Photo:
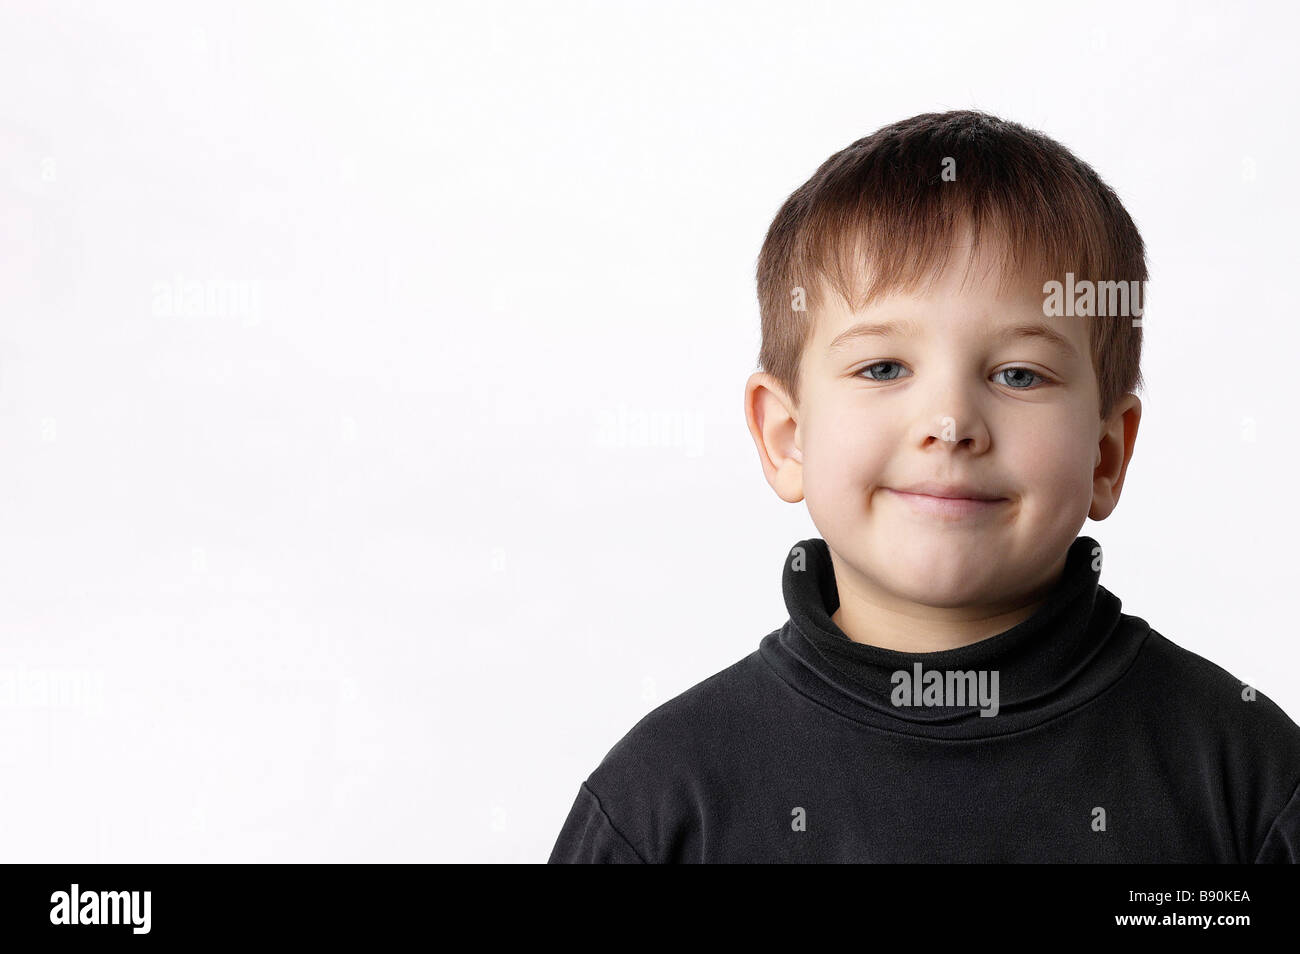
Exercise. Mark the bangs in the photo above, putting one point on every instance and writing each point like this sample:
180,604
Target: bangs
888,213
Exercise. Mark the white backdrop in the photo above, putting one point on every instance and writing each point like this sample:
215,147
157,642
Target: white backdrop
371,383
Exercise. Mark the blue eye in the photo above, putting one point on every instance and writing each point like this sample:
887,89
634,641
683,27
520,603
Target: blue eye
1031,374
1022,385
880,364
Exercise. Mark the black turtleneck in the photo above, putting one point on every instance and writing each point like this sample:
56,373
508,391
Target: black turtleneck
1106,743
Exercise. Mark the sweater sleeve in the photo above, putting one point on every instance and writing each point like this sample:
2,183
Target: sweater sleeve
589,836
1282,843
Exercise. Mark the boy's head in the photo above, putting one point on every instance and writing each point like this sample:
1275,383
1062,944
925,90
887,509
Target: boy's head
946,228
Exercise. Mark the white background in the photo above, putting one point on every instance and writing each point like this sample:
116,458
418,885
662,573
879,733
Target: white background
364,556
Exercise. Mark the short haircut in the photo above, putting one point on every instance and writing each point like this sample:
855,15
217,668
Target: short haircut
882,207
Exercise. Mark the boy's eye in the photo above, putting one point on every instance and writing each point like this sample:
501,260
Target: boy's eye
1023,380
881,364
1022,372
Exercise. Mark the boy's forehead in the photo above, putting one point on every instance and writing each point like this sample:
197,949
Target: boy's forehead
965,276
940,303
981,308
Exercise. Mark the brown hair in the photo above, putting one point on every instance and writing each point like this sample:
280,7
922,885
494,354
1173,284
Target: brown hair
882,202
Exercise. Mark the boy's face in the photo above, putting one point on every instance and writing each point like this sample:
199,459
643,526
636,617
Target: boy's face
952,401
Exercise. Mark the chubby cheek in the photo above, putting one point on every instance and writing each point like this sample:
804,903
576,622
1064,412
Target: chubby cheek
1055,465
846,457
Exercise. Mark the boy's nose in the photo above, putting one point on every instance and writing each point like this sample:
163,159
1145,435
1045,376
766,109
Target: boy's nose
955,427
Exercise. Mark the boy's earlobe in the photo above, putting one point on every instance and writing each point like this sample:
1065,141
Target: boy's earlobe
1114,451
775,431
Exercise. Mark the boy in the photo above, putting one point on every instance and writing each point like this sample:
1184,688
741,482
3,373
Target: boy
948,377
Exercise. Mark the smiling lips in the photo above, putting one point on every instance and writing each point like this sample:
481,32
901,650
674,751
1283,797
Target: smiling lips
954,501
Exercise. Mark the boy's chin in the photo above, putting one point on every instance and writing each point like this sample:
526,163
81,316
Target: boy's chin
938,569
943,593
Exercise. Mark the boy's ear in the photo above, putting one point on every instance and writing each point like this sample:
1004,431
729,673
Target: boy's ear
1114,451
773,423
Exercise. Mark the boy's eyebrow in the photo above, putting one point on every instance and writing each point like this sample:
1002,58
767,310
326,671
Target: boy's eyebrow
885,329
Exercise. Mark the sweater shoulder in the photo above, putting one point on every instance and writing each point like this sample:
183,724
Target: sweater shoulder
1194,683
1239,735
691,721
1255,745
654,784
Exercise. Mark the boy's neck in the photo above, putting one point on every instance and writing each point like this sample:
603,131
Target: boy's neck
876,618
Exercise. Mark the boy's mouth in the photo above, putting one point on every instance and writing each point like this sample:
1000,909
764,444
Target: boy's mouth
948,500
948,491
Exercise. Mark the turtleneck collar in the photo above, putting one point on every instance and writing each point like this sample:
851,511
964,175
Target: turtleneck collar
1074,645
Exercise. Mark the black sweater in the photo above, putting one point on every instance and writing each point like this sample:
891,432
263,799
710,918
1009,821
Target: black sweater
1109,744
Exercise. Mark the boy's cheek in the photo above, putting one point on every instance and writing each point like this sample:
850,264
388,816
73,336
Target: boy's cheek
1059,484
844,470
